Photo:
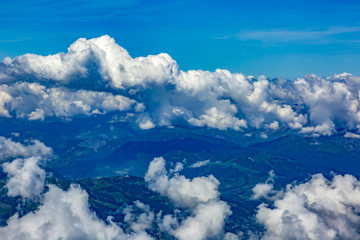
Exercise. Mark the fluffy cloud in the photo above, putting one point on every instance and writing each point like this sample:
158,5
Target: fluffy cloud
90,76
26,178
11,149
331,102
207,222
62,214
183,192
35,101
139,223
98,59
200,196
65,215
317,209
264,190
351,135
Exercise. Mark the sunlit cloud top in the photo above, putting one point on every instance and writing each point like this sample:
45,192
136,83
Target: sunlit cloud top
98,76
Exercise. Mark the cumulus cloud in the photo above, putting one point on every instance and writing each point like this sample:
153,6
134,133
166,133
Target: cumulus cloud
65,215
26,178
97,76
199,196
99,59
11,149
62,214
139,223
264,190
317,209
36,102
182,191
351,135
208,222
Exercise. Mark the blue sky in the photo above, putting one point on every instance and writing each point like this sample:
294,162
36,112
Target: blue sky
280,38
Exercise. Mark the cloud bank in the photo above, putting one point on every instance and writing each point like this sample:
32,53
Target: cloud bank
96,76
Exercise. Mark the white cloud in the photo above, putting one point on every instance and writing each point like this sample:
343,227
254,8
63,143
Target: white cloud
178,167
232,236
62,214
11,149
199,195
351,135
200,164
139,223
264,135
216,118
296,35
182,191
26,178
65,215
99,59
89,78
146,124
274,125
35,101
264,190
317,209
208,222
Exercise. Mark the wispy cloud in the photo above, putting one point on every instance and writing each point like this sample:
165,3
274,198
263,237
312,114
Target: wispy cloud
14,40
331,34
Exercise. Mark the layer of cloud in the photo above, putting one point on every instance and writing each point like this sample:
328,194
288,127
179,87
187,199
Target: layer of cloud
317,209
97,76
